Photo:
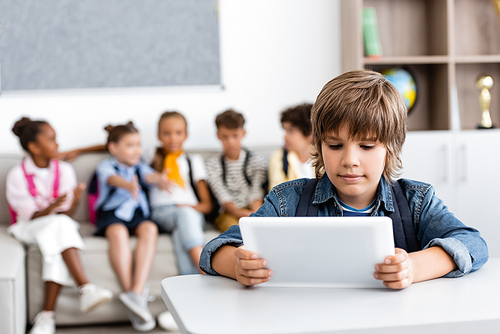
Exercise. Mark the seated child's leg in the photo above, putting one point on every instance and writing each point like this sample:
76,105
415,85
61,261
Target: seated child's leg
188,239
164,216
120,254
225,221
51,292
145,250
74,264
53,234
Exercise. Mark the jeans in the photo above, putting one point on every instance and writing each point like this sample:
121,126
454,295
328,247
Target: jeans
186,227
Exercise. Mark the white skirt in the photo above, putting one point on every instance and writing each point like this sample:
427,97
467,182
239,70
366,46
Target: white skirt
53,234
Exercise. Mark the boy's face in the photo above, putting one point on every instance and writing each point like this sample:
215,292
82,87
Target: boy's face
354,167
172,133
128,149
295,139
231,140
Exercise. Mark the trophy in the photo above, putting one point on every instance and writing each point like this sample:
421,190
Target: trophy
484,83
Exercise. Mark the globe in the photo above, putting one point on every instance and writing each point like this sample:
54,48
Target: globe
404,83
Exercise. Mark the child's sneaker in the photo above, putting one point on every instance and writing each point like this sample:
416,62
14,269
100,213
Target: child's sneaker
135,304
44,323
167,322
140,325
92,296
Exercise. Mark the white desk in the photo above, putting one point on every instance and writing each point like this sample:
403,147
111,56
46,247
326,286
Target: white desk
209,304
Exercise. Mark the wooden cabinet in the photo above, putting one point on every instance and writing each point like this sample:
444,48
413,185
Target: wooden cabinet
464,168
445,43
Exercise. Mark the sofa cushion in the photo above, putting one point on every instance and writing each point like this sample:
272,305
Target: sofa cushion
12,285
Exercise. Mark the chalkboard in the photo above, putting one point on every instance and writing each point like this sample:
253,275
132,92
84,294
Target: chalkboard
66,44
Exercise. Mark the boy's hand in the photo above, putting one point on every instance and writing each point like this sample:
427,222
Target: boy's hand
69,155
250,270
165,183
244,213
134,188
396,271
78,192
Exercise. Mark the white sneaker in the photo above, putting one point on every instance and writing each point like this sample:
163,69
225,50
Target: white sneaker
92,296
44,323
167,322
136,305
140,325
137,323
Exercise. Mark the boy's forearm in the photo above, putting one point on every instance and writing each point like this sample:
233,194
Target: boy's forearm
431,263
118,181
153,178
224,261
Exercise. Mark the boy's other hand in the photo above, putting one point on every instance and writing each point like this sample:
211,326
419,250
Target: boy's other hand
396,271
134,188
69,155
250,270
78,192
244,213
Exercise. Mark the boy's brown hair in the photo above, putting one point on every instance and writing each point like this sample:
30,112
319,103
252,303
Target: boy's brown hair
230,119
367,105
300,117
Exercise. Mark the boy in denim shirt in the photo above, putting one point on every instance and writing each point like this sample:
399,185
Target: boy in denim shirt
359,127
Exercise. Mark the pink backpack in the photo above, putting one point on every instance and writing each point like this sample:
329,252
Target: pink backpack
32,188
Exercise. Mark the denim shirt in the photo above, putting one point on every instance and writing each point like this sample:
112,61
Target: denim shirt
122,201
434,224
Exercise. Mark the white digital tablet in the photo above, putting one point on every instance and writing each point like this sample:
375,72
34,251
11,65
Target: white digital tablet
320,251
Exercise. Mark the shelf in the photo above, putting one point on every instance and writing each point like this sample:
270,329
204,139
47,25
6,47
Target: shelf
411,27
477,28
407,60
446,44
484,59
432,80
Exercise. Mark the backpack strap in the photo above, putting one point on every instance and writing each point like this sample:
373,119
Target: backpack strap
306,208
285,161
111,190
402,222
191,180
55,187
29,179
245,165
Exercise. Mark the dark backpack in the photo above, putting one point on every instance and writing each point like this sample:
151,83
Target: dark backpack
214,213
404,232
285,161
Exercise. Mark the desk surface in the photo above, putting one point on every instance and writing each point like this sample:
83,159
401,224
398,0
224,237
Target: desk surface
210,304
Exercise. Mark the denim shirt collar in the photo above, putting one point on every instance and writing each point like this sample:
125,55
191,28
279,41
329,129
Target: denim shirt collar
121,166
325,191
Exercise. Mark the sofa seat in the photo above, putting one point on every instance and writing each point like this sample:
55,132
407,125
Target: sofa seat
12,285
96,263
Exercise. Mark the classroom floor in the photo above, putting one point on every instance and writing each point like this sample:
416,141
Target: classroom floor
110,329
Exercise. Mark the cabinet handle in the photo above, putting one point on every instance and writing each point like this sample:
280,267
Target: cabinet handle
464,154
445,163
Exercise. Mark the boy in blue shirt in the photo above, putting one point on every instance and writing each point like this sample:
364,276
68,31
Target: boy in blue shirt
359,127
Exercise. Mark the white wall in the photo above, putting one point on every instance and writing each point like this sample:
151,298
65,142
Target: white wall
274,54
